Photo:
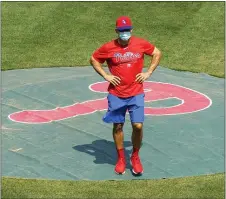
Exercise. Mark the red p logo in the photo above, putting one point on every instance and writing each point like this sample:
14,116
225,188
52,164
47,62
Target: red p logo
191,101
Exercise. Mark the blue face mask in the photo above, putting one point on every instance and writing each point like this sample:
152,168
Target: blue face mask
124,35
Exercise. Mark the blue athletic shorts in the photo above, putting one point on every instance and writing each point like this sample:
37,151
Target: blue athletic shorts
117,108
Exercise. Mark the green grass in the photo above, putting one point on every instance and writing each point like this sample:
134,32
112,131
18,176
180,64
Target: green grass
200,187
52,34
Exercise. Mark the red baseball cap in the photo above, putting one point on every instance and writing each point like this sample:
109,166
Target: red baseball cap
123,23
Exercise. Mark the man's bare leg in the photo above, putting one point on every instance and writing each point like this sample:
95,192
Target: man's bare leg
137,136
118,135
119,139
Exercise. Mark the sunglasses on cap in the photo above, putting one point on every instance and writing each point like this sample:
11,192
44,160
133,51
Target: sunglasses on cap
124,30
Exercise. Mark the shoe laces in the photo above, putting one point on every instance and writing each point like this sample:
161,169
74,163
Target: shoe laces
121,160
136,159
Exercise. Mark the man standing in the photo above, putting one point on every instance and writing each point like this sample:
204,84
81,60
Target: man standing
125,58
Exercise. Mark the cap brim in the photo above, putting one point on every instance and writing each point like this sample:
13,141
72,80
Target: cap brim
124,28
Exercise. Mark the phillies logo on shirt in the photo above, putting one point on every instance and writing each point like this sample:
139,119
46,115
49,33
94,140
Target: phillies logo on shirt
123,21
126,57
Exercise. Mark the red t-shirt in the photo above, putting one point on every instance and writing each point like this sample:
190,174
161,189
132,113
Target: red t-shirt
125,62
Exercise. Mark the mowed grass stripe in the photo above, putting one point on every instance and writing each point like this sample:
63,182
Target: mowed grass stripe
200,187
51,34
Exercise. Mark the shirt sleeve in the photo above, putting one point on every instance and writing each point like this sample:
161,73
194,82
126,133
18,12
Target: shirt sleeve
101,54
148,48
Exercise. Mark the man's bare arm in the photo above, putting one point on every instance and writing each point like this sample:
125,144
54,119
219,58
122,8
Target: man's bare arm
155,59
99,69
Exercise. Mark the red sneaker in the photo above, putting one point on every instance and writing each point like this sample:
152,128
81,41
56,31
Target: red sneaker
120,167
136,165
